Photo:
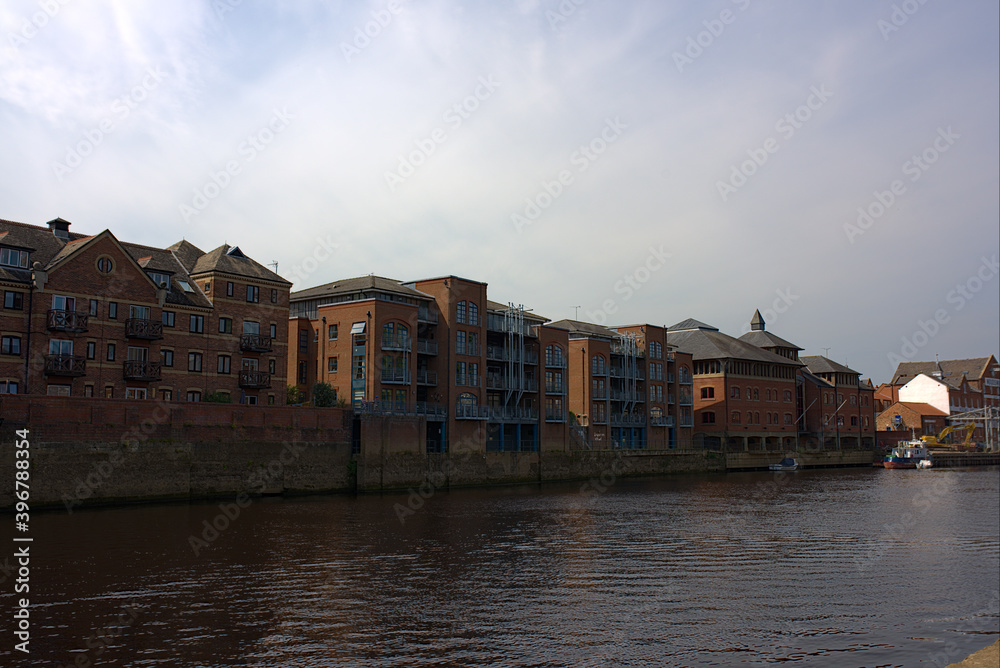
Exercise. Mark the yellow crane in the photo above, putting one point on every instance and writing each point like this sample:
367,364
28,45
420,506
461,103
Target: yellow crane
938,441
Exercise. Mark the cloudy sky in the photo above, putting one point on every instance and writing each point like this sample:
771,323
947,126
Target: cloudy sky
834,164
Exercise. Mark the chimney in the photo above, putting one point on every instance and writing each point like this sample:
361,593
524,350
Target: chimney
59,228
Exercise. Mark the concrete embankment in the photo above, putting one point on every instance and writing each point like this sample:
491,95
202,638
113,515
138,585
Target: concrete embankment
988,657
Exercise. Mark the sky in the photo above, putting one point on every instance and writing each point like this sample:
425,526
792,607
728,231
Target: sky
833,164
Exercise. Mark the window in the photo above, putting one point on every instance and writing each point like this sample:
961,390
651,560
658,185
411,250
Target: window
208,286
656,350
225,325
112,310
168,357
756,417
57,390
270,400
105,265
138,312
14,258
91,350
788,418
166,395
708,417
111,352
734,392
788,396
271,366
315,333
460,342
331,332
303,341
253,293
274,296
194,395
11,345
225,363
93,308
708,393
461,312
854,420
854,400
473,314
168,318
756,397
303,379
735,417
274,331
135,392
161,280
88,390
194,362
13,300
331,365
230,288
60,347
197,324
554,356
598,365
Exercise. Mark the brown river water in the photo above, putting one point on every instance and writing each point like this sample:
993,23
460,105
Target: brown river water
848,567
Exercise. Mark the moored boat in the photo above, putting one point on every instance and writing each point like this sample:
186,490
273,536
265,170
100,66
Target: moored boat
786,464
906,456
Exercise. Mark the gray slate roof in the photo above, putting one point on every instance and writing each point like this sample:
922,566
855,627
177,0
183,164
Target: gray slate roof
765,339
359,284
585,328
973,368
219,260
711,344
691,324
820,364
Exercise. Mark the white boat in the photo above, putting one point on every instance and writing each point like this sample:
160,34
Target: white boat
925,464
907,455
786,464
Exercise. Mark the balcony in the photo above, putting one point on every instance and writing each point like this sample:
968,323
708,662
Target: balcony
426,315
65,365
255,343
255,380
502,354
395,377
670,377
556,362
513,414
619,348
555,416
599,395
687,422
470,412
398,343
627,395
425,377
496,382
140,328
662,421
670,398
67,321
467,379
624,420
427,347
141,370
686,400
686,379
421,408
555,388
598,370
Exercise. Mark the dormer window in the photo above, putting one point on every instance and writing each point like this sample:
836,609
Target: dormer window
185,286
161,280
11,257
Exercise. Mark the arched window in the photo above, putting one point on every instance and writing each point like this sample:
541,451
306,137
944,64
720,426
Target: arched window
598,365
554,356
756,417
473,314
461,312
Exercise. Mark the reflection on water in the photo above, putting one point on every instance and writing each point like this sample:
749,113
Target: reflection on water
828,568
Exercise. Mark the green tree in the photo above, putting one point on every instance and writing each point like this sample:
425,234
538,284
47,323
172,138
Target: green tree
293,395
219,398
324,395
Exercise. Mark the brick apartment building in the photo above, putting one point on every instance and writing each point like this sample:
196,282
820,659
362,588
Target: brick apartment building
982,374
437,348
626,387
90,315
755,393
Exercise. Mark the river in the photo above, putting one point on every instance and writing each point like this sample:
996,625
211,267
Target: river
848,567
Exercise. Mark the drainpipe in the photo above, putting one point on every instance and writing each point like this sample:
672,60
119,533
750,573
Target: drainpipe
27,339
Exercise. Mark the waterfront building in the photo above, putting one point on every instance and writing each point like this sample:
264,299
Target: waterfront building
90,315
903,420
839,407
981,373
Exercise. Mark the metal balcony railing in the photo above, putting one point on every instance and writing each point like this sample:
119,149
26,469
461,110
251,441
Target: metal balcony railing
427,315
628,420
399,343
555,388
467,349
555,416
686,400
555,362
425,377
67,321
65,365
467,412
255,380
141,328
255,343
396,377
141,370
427,347
662,421
512,413
467,379
420,408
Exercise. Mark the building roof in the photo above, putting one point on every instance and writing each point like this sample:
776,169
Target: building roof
951,370
814,379
228,259
920,408
39,241
588,329
819,364
765,339
500,308
711,344
359,284
691,324
186,253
